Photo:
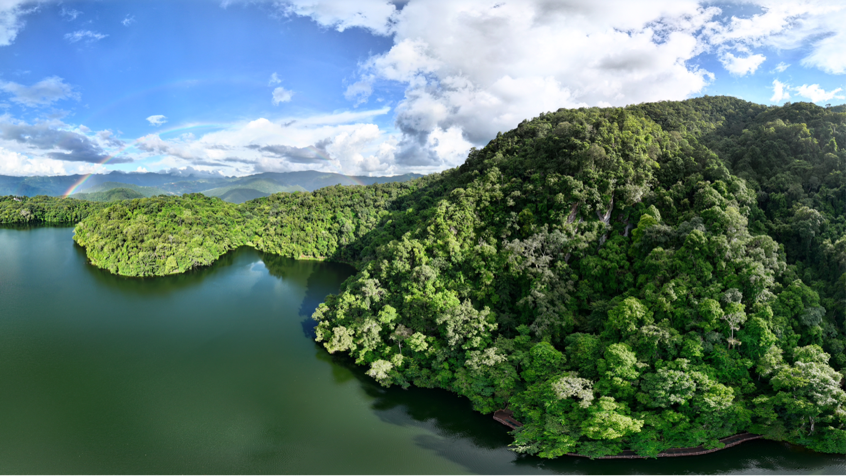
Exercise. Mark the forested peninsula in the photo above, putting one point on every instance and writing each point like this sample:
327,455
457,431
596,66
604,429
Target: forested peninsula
643,278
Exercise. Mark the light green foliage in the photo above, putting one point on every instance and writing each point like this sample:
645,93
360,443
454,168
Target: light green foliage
629,316
658,276
380,371
160,235
570,386
809,392
607,420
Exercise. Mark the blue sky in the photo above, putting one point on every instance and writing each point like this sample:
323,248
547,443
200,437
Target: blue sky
371,87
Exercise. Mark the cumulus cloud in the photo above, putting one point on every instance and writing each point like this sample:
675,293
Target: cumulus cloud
157,120
281,95
814,25
341,142
56,141
87,36
779,92
43,93
17,164
472,68
274,79
153,143
741,66
300,155
816,94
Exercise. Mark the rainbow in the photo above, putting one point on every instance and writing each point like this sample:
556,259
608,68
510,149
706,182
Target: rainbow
193,126
184,83
121,150
84,178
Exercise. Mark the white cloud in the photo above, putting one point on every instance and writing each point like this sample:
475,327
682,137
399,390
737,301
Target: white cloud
42,146
816,94
360,91
829,54
471,70
815,25
449,145
154,144
70,13
11,19
43,93
741,66
17,164
779,92
157,120
87,36
339,143
281,95
374,15
274,79
128,20
340,117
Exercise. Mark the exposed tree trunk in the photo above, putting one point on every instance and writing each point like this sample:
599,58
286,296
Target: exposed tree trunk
573,210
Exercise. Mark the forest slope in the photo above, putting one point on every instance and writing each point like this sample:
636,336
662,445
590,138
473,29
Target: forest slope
650,277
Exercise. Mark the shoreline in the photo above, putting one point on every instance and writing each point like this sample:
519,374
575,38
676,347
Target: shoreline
728,442
506,417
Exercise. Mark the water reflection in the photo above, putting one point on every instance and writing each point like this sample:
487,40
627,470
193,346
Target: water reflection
319,278
163,285
479,444
219,379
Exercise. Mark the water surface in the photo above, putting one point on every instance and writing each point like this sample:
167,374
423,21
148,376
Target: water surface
214,371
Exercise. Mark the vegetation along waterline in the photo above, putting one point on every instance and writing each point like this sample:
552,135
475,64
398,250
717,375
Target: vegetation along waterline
643,278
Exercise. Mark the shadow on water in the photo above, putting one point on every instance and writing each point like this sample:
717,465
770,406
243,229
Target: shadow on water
31,226
480,444
449,416
319,278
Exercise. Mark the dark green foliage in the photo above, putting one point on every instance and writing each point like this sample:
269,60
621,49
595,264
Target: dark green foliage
43,209
657,276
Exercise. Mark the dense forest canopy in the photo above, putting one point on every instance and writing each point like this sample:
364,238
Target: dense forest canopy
649,277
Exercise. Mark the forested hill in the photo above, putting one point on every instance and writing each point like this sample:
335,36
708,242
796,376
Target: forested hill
656,276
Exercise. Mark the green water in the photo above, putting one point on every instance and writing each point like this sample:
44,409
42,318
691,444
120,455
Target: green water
215,372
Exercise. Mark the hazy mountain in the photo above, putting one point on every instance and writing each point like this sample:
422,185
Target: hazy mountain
110,195
148,184
106,186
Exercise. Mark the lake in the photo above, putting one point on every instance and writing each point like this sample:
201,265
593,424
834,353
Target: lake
215,371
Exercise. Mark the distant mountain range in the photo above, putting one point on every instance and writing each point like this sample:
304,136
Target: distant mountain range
123,185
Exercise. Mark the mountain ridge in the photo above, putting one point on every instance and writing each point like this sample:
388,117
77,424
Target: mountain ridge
308,180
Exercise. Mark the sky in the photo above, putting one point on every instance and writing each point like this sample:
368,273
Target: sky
372,87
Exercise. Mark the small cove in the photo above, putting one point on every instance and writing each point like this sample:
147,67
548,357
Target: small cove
214,371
